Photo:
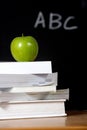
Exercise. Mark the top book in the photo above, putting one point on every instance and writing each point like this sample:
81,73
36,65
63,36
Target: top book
34,67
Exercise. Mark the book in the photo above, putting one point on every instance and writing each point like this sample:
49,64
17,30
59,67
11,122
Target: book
33,105
32,109
29,96
34,67
46,88
26,80
33,123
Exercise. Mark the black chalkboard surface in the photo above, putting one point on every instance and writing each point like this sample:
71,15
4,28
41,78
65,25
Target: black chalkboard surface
60,29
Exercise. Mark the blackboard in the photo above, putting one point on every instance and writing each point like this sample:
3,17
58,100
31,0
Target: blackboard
60,29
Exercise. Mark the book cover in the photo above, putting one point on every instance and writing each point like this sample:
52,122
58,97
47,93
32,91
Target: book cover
32,109
34,67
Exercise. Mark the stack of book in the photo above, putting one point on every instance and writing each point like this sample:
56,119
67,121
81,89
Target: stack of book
29,90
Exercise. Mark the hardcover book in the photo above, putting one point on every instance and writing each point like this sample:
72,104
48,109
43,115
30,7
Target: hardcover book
33,105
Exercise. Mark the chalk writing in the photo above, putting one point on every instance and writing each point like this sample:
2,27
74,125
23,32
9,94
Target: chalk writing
55,22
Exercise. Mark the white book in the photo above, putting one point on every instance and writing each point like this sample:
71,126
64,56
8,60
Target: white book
16,83
34,67
46,88
33,109
30,96
34,123
51,88
33,105
28,80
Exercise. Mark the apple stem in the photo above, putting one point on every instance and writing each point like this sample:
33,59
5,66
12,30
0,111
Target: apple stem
22,34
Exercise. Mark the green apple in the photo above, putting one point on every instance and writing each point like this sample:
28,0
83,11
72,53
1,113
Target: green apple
24,48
